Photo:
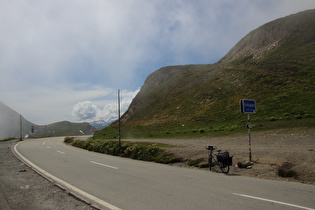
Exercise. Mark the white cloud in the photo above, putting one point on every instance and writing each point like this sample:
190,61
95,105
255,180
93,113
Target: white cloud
84,110
106,110
45,105
109,111
50,48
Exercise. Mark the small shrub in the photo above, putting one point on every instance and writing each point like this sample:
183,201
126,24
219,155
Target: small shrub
78,143
147,152
68,140
85,144
205,165
167,158
287,173
196,162
299,116
8,139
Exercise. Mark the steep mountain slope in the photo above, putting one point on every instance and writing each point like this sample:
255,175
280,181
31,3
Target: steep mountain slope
298,28
273,64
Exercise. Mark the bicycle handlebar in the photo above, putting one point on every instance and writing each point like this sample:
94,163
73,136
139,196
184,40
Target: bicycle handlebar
210,147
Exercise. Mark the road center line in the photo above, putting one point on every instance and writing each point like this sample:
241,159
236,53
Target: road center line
101,164
273,201
61,152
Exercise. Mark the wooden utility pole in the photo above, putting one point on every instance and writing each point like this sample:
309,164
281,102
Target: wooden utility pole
21,129
119,116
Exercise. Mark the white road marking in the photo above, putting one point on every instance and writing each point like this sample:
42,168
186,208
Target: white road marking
101,164
61,152
273,201
48,147
66,186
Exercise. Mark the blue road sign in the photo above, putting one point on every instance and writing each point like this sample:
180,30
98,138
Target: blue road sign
248,106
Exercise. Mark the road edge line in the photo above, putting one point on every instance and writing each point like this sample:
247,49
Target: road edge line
80,194
273,201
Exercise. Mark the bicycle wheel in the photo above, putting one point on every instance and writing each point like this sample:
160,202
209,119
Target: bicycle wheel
224,168
210,162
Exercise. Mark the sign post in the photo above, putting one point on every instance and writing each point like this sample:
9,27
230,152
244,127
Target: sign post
248,106
249,126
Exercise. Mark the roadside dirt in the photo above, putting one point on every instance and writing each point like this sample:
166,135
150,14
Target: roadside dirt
292,148
22,188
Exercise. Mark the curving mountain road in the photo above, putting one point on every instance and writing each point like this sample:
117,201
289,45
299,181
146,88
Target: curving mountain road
121,183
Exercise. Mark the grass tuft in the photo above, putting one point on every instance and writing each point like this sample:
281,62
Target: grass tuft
196,162
287,173
7,139
68,139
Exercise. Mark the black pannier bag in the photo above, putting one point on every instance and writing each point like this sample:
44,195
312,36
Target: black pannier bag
225,158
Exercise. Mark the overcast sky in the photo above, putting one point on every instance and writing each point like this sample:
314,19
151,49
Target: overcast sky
65,60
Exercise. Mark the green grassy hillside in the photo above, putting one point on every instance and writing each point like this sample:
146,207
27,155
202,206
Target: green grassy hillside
194,100
63,128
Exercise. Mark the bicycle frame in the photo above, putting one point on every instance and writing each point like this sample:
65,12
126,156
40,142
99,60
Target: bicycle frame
213,158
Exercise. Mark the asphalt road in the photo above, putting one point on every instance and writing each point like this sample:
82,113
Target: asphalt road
115,182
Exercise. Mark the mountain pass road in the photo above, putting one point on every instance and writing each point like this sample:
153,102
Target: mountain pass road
121,183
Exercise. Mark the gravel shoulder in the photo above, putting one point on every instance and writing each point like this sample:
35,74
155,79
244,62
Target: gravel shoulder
22,188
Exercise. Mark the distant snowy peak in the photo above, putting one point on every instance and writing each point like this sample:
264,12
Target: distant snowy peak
100,124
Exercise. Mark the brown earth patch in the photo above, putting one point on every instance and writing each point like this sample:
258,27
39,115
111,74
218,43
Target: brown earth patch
270,151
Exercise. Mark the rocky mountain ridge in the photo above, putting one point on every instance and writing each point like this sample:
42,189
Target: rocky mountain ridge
270,35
